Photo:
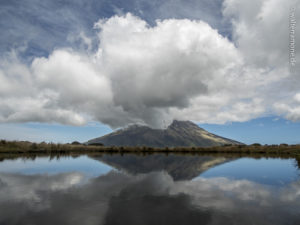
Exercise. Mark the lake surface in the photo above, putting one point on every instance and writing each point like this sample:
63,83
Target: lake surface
153,189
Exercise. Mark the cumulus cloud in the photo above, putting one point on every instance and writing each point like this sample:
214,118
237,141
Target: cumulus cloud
175,69
263,39
137,74
51,89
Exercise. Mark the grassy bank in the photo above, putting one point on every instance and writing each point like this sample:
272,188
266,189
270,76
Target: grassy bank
20,147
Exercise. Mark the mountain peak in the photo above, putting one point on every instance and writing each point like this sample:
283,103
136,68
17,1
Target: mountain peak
178,134
184,124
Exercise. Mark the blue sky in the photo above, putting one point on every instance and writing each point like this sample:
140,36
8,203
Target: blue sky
78,69
46,25
267,130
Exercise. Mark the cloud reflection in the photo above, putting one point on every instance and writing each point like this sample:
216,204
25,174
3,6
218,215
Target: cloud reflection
153,198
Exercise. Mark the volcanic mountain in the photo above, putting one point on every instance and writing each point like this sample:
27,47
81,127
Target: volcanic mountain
178,134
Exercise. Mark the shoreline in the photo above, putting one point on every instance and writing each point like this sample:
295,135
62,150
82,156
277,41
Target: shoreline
21,147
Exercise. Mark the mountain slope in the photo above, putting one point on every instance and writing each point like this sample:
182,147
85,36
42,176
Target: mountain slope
178,134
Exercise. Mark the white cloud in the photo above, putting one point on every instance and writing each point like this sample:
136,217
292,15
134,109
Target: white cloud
52,89
155,68
179,69
262,36
138,73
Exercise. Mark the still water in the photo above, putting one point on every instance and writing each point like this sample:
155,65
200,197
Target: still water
154,189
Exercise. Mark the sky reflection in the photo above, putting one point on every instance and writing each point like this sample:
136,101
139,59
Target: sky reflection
153,198
65,191
40,165
265,171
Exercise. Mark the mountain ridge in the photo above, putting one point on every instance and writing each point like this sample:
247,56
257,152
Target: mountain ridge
177,134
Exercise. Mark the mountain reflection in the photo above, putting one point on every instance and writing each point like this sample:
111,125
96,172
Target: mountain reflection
153,198
180,167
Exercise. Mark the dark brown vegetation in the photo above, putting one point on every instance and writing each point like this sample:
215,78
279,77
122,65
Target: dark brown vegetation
19,147
24,149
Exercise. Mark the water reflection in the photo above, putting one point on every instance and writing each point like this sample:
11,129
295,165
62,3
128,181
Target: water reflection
154,198
51,165
180,167
264,171
144,198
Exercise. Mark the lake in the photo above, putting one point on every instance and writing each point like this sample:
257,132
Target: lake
152,189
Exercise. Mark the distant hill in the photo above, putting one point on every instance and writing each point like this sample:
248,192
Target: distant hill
178,134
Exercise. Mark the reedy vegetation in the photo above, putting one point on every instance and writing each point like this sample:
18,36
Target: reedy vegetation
50,148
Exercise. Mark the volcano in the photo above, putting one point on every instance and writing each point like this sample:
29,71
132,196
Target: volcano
178,134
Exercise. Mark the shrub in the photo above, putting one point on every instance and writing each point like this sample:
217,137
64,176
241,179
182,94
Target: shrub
283,145
256,145
227,145
96,144
34,146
